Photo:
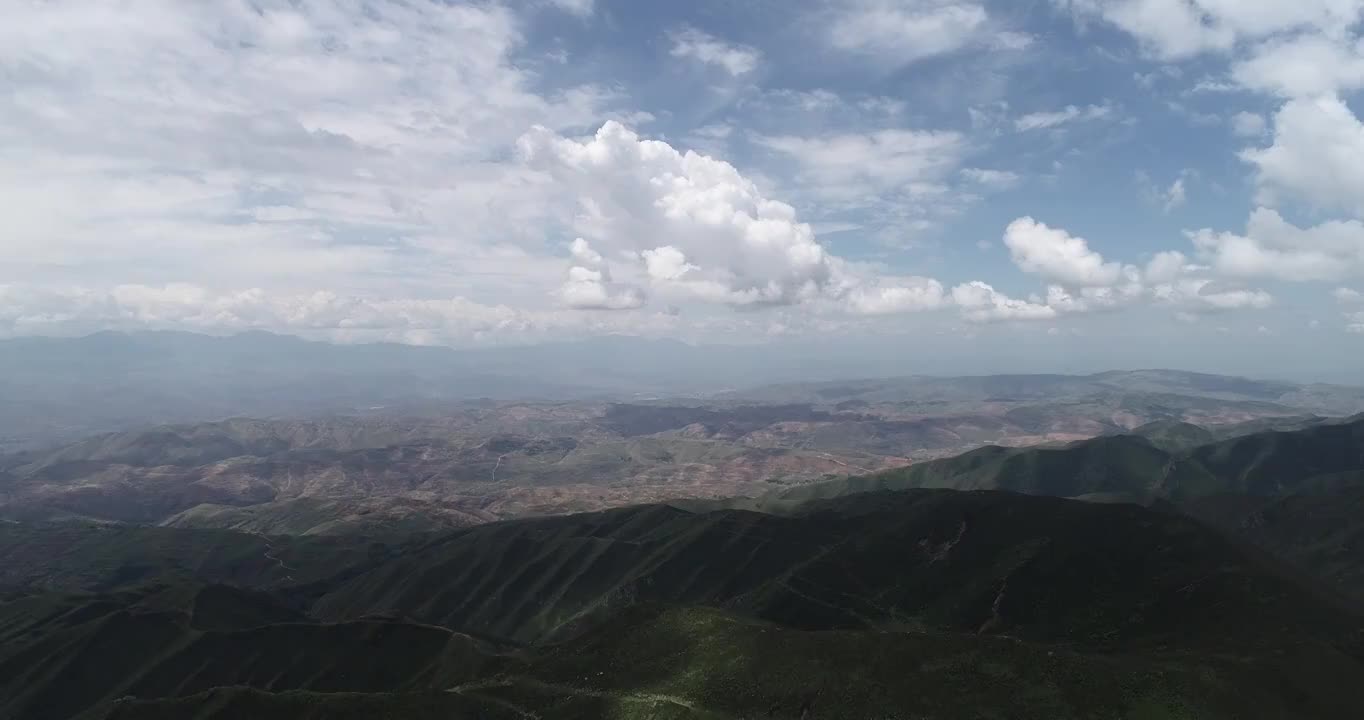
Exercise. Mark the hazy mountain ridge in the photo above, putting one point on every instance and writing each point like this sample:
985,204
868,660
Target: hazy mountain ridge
481,460
1275,463
61,389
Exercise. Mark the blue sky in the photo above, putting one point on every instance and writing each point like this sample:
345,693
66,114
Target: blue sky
1184,174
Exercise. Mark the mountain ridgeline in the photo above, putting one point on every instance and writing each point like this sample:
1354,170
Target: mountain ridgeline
991,602
1169,464
1177,571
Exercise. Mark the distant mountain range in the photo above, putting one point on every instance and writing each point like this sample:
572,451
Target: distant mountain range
62,389
479,461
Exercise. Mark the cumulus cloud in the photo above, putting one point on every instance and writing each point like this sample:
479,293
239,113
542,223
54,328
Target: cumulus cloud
1317,156
1064,116
893,296
710,50
710,230
980,302
1083,281
1273,247
589,285
1166,267
702,231
1054,254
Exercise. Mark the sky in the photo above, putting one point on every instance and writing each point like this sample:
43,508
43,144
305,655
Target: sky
1181,180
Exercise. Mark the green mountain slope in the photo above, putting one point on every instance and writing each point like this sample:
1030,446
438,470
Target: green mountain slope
1321,532
153,644
924,603
1276,463
1322,455
72,557
703,663
1037,568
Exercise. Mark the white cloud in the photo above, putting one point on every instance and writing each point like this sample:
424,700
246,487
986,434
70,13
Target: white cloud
1166,267
1272,247
1209,85
589,285
897,296
982,303
903,32
1355,323
163,156
352,146
857,164
1168,279
1347,296
1176,29
702,231
705,48
588,289
902,182
992,179
1317,156
1174,197
667,264
577,7
1168,198
1194,116
1011,40
1302,66
1204,295
1248,124
1064,116
1056,255
635,195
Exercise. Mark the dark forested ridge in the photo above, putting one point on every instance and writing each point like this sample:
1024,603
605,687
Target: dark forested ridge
1045,606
